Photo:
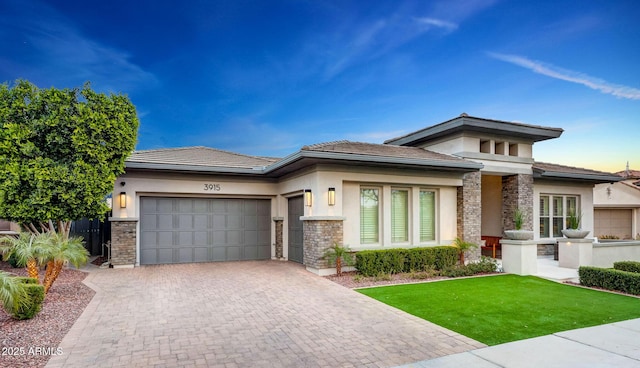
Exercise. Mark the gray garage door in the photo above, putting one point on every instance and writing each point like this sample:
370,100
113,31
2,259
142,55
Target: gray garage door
616,222
184,230
296,209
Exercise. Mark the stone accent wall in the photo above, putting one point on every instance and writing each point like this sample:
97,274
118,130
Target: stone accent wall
469,208
123,242
517,192
279,238
318,236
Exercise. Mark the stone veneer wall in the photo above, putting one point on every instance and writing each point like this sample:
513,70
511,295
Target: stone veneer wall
318,236
469,208
517,192
279,237
123,242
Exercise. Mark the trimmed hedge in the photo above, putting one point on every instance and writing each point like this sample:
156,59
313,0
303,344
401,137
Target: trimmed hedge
629,266
35,297
483,265
397,260
610,279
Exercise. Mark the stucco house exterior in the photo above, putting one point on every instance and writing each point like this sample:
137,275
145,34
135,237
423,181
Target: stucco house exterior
617,207
461,178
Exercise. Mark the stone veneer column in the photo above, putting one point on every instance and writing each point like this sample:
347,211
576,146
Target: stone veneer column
279,223
469,208
319,234
123,241
517,192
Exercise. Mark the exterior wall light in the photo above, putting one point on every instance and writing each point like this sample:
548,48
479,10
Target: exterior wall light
123,200
307,197
332,196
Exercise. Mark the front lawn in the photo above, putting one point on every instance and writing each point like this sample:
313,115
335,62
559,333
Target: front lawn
504,308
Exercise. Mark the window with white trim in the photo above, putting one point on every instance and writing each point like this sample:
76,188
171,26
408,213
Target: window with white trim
369,215
554,213
427,216
399,215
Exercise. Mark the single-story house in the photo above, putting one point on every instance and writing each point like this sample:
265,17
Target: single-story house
617,207
464,178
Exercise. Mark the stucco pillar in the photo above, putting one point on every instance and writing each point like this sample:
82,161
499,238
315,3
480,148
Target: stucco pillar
469,208
123,241
517,192
319,233
573,253
519,257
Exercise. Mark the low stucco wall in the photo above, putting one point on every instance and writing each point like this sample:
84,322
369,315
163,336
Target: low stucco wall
605,254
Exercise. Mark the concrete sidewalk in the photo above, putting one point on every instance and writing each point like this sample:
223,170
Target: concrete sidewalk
612,345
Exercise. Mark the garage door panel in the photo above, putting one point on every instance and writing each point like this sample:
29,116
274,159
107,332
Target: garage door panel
164,222
219,254
616,222
204,229
234,253
165,255
201,254
234,222
234,237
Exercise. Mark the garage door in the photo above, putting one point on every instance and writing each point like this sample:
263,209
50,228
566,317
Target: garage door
184,230
616,222
296,209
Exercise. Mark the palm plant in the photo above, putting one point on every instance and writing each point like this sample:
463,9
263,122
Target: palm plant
63,250
12,292
463,246
29,250
338,254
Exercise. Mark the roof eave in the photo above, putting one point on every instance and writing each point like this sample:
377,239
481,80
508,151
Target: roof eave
459,124
352,157
554,175
193,168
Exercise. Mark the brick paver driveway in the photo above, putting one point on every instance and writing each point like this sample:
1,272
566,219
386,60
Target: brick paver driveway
243,314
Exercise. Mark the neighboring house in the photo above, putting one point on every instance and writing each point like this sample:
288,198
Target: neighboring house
617,207
461,178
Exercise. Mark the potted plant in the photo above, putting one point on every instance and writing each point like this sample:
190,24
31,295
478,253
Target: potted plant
573,226
518,233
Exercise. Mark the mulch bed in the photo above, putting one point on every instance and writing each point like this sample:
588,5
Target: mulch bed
30,343
351,281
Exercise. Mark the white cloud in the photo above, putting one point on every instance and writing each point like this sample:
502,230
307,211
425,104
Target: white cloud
570,76
438,23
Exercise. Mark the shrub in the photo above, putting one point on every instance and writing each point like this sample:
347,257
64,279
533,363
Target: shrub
610,279
397,260
484,265
13,261
35,297
629,266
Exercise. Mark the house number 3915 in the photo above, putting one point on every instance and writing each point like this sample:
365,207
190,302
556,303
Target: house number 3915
212,187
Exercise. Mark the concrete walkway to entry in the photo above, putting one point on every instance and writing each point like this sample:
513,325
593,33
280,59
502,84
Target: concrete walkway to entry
243,314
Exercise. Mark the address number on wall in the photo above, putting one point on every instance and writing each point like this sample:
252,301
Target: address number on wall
212,187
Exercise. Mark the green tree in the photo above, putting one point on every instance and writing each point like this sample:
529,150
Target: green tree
60,153
63,250
30,251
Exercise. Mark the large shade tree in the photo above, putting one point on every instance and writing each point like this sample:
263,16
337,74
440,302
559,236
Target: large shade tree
60,153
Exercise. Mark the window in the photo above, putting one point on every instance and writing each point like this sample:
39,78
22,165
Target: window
554,211
399,215
369,215
427,216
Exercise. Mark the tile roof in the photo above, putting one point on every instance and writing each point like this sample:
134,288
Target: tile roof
199,156
629,174
382,150
570,171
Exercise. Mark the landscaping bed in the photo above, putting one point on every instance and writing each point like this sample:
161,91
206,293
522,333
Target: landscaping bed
30,343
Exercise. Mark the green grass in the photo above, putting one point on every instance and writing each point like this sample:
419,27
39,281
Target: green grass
504,308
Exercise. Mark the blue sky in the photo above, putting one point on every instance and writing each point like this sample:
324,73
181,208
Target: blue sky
267,77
